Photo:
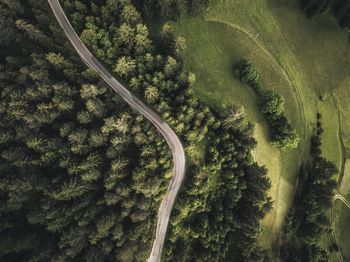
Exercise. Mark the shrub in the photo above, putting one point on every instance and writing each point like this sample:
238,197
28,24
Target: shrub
272,107
248,74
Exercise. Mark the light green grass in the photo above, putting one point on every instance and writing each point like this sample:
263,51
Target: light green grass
300,58
211,55
344,187
331,147
342,225
342,95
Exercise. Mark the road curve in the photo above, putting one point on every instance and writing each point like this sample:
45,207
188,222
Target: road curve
168,134
345,202
341,198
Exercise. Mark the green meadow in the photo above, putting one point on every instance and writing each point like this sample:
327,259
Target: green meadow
306,60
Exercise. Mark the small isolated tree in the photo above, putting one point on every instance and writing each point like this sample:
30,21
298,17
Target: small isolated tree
191,79
248,74
179,47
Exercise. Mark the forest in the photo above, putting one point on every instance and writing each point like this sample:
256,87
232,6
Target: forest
309,217
82,175
170,9
338,8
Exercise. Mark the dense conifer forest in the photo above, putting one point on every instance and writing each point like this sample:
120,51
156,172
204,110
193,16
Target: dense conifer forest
338,8
82,175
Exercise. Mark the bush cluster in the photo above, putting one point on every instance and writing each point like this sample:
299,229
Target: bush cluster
283,134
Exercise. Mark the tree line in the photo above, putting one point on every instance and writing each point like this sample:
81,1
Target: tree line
283,134
310,216
338,8
217,217
82,175
170,9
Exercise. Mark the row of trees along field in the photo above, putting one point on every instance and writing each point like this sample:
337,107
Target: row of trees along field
339,8
309,219
283,134
82,175
170,9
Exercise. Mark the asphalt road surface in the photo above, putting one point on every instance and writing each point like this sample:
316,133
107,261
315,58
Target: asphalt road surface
168,134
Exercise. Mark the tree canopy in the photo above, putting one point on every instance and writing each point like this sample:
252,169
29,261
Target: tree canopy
82,175
283,134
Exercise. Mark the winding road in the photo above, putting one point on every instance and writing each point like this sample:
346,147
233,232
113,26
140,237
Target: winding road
168,134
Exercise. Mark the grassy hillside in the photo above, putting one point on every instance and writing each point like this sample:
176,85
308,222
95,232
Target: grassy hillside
212,61
344,188
342,225
306,60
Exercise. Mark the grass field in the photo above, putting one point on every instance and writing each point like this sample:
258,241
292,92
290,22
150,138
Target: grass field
344,188
342,225
342,94
303,59
212,61
331,147
341,220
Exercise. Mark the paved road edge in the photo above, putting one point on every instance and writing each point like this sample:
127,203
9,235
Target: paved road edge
169,135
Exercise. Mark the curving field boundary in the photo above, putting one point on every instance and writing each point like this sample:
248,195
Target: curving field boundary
294,89
346,203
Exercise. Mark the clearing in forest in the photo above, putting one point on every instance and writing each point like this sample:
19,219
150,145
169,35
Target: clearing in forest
306,60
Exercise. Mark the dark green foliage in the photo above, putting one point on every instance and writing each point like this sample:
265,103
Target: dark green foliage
170,44
160,81
272,105
245,70
82,175
312,215
218,215
170,9
339,8
283,134
75,176
234,117
315,7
